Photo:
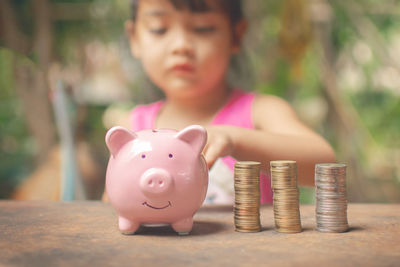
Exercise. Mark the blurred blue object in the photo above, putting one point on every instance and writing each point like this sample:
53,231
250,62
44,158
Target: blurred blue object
64,111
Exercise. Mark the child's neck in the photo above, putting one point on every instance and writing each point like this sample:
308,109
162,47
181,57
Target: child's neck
178,113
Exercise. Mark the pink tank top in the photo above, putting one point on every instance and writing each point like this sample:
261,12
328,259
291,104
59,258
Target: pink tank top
237,112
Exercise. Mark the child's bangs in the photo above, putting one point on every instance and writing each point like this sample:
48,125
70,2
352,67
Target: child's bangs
201,5
192,5
232,8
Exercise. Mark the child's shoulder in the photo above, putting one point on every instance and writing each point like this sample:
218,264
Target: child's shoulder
272,110
270,104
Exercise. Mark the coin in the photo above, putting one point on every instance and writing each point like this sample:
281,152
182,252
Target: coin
331,197
285,196
247,196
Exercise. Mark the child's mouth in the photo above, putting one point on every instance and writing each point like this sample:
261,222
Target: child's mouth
185,68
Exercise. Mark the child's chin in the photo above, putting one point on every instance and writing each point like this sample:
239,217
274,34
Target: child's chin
183,88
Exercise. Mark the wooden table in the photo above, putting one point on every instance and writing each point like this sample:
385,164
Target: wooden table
86,234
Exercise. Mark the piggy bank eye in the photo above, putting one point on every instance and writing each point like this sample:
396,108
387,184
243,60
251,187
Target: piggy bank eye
143,156
170,156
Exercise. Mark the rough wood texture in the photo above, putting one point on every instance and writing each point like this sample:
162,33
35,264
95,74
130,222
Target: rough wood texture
86,234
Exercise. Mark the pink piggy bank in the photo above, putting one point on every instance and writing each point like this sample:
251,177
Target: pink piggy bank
156,176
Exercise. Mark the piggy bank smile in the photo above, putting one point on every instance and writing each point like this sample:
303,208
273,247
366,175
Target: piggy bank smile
157,208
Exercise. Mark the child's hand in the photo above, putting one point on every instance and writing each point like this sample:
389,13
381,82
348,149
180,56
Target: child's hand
219,144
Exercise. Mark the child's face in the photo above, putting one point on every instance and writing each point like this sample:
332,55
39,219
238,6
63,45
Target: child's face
184,53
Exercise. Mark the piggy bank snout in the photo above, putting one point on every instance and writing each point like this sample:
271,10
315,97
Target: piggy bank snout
156,182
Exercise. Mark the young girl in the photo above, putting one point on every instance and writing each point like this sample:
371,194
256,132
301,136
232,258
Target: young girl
185,47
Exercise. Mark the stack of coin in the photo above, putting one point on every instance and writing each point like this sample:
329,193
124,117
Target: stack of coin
286,196
247,196
331,200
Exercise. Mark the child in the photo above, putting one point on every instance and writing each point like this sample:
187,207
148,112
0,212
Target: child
185,48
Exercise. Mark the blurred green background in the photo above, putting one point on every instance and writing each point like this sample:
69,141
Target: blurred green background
336,62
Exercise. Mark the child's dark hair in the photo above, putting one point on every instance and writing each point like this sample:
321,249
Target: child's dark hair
233,8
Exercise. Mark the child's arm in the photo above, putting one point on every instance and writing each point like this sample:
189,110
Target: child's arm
278,135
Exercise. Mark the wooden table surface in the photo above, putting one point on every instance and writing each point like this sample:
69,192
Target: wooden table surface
86,234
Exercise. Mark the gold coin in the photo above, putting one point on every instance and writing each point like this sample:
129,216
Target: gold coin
247,196
286,196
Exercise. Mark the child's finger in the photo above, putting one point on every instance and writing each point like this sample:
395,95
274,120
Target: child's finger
211,155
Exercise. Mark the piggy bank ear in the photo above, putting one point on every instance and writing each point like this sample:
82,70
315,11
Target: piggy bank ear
195,136
117,137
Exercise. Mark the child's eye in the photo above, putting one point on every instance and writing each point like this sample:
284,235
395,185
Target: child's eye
204,29
158,31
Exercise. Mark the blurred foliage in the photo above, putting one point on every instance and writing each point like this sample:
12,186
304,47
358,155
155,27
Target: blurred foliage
365,44
15,148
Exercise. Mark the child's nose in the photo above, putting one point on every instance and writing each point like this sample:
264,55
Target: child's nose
182,43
